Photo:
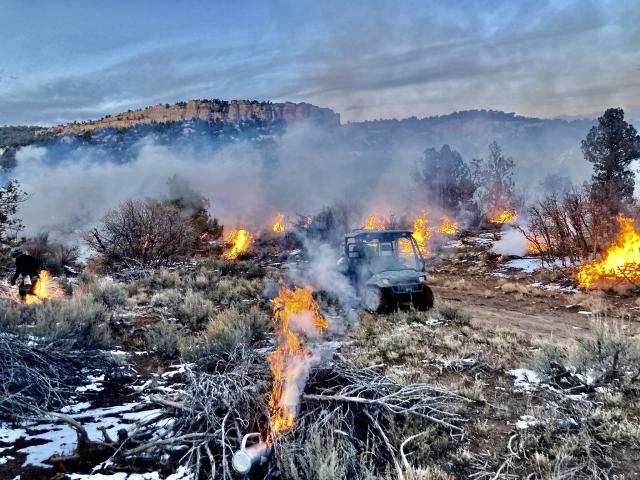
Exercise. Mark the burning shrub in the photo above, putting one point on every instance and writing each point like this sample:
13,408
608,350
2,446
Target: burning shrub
569,227
52,255
142,233
495,192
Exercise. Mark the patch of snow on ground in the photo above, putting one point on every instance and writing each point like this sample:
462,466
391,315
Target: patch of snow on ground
525,380
526,421
526,264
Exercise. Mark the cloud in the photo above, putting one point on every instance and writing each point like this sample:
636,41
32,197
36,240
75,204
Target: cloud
371,60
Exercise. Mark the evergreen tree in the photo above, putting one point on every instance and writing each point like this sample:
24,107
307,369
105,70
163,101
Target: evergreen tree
611,146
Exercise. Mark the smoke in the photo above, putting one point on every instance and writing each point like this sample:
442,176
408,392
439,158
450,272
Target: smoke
512,242
304,169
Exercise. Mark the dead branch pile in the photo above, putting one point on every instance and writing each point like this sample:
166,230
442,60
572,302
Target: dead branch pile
34,379
347,413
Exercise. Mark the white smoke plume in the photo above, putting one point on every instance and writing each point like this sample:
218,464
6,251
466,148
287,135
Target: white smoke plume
305,169
512,242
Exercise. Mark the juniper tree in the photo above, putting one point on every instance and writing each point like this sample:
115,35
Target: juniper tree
611,146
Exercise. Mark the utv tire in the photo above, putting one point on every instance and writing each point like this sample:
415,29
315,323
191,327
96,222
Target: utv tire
424,300
372,300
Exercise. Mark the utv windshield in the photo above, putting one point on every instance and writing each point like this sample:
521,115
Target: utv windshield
381,254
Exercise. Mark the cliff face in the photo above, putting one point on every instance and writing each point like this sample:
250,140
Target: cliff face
234,111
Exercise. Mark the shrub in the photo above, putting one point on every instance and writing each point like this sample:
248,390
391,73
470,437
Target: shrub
52,255
107,292
451,314
229,291
163,278
162,338
194,310
77,323
225,331
142,232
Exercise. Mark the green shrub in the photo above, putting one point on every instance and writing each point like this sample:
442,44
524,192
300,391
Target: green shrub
451,314
162,338
194,310
225,331
163,278
80,322
108,292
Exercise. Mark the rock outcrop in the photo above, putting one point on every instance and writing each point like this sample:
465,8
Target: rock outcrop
234,111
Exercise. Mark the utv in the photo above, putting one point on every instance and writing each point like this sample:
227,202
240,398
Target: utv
386,269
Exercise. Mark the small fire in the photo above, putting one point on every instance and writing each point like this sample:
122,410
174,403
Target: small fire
239,240
308,222
447,227
421,233
506,216
39,290
290,357
537,248
620,261
372,224
278,223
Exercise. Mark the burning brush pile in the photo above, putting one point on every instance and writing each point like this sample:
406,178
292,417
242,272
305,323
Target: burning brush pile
285,413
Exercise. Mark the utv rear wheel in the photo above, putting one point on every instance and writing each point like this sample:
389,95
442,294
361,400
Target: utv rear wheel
424,300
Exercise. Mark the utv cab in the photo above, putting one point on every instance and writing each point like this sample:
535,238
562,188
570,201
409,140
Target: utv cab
386,269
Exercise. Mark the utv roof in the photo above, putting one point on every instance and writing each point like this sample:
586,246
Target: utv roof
366,234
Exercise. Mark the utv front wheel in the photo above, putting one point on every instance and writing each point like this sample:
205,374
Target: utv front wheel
423,300
372,300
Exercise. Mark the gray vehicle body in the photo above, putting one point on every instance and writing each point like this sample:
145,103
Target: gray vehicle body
386,269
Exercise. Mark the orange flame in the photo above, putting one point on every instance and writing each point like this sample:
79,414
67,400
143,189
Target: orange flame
373,225
537,249
308,222
447,227
39,289
290,353
506,216
278,223
620,261
240,240
422,234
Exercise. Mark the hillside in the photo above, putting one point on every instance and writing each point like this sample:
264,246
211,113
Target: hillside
217,111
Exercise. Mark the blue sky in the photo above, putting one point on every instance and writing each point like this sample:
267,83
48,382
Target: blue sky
70,60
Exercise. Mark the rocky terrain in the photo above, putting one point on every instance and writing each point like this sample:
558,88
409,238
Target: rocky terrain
220,111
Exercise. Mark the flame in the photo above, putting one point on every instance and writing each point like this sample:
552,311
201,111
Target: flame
506,216
421,233
537,249
39,289
372,225
278,223
619,262
447,227
239,240
289,353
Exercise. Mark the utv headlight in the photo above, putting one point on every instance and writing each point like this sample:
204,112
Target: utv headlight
422,279
385,281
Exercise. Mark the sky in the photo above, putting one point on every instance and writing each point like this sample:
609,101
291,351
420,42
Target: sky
77,60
